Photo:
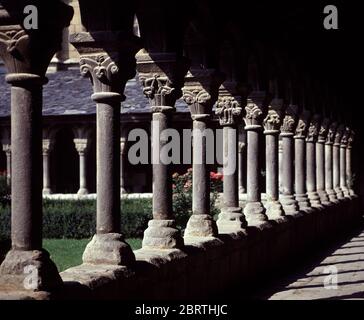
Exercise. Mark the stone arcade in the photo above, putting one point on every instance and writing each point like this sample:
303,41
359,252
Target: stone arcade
222,66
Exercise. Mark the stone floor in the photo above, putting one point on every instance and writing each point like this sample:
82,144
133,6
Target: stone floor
338,275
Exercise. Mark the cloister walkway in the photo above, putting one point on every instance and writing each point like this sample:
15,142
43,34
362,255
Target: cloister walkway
316,279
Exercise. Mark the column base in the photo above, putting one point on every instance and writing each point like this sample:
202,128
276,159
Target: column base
242,190
314,199
303,202
122,190
332,196
352,193
346,192
274,210
162,234
201,225
289,204
255,214
324,198
46,191
31,270
339,194
231,219
108,248
82,192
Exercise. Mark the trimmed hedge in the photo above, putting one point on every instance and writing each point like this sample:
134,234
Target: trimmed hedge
75,219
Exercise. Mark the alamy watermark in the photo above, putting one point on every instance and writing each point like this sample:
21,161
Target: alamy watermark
331,18
169,146
31,20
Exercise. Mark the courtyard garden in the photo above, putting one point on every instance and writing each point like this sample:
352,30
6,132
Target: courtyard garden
68,225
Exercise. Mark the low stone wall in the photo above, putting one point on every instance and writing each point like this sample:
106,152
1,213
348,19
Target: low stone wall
208,267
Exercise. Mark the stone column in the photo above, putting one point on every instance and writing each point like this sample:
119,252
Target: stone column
287,198
162,77
200,93
7,150
123,159
229,111
329,182
280,165
300,161
320,162
242,165
109,71
82,146
26,57
343,178
47,148
254,210
349,172
336,162
311,184
272,124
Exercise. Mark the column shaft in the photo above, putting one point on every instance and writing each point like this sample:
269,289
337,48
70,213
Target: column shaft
272,166
230,145
108,168
349,171
311,174
274,207
200,174
300,173
242,166
123,160
336,175
26,162
287,163
46,173
162,182
329,183
343,182
320,172
287,198
253,169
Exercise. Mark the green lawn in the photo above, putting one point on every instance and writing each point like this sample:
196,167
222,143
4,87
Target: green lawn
67,253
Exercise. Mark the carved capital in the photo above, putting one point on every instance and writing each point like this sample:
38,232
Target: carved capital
324,130
241,146
313,129
351,139
254,109
345,137
201,90
162,76
7,149
330,138
302,124
47,145
229,110
272,121
108,59
122,145
339,134
290,120
81,145
28,52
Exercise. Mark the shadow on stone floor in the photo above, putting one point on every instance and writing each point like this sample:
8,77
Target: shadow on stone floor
300,270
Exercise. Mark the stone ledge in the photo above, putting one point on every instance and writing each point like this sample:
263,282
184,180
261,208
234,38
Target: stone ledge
205,267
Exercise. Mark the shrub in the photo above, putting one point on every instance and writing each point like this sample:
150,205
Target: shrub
77,219
182,195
